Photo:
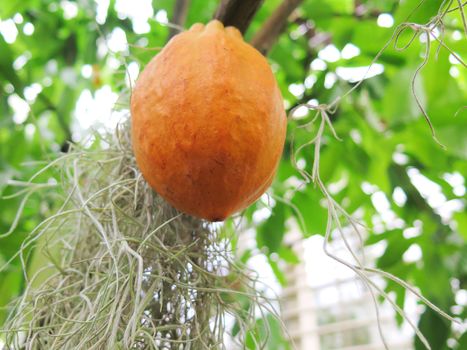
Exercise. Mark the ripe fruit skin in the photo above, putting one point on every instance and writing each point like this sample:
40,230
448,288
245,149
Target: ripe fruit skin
208,122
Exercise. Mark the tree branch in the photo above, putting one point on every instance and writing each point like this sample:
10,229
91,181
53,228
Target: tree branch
179,16
237,13
266,37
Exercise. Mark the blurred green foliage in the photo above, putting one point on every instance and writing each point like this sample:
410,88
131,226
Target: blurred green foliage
385,137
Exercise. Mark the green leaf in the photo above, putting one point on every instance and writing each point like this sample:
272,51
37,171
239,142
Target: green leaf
246,256
462,342
9,8
277,272
381,158
288,255
416,11
10,284
270,328
271,232
454,137
399,105
375,238
381,6
327,8
397,246
461,219
313,214
434,328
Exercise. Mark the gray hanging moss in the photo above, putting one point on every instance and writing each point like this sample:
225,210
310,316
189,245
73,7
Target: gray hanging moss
116,267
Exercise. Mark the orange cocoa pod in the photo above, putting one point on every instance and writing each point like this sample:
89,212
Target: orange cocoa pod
208,122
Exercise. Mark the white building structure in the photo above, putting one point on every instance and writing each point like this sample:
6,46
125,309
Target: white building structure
326,307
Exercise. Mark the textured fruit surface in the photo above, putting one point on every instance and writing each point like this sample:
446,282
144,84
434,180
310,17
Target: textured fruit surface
208,122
